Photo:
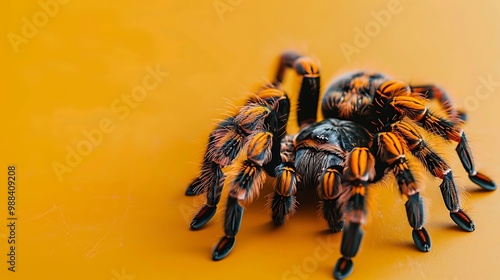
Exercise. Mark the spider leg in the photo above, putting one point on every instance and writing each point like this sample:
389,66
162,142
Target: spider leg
224,144
433,92
272,96
283,203
391,151
415,109
208,173
359,170
268,109
247,180
196,186
438,167
329,191
310,85
465,155
213,193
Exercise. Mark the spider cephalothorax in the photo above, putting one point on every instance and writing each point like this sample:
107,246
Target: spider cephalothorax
372,123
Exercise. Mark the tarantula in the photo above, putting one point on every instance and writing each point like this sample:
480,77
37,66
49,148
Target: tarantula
371,124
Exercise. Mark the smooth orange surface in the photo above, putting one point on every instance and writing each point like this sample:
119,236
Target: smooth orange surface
107,106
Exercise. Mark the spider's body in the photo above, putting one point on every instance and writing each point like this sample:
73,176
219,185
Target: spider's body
351,96
372,123
326,143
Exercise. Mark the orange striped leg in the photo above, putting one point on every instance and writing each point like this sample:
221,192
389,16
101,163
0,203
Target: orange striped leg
415,109
329,191
224,144
433,92
359,170
249,176
227,139
391,151
309,89
206,178
437,167
284,203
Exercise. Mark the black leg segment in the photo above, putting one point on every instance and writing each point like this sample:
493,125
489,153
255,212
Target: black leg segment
233,216
310,85
465,154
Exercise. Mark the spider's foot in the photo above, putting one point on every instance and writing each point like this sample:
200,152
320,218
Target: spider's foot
422,239
223,248
462,220
343,268
191,191
194,188
483,181
203,216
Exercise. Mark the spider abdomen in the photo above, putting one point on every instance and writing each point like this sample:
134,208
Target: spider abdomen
350,96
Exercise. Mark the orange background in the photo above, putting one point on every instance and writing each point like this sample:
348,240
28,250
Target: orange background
119,211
